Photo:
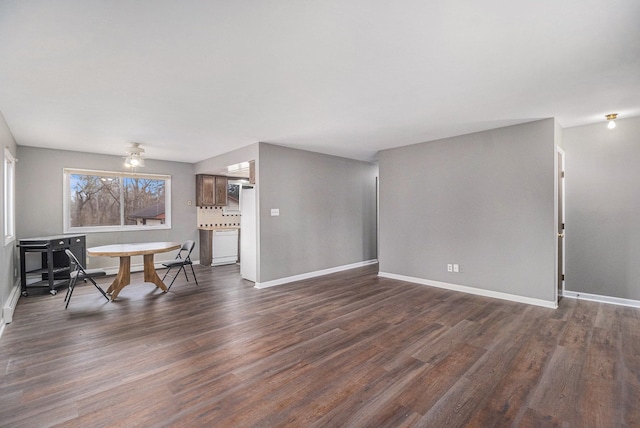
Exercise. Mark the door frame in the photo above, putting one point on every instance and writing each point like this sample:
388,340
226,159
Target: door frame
560,218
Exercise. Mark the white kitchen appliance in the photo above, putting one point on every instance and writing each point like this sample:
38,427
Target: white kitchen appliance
224,247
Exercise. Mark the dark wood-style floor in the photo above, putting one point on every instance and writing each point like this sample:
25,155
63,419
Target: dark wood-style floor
348,349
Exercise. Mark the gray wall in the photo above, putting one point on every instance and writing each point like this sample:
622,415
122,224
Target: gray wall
483,200
327,212
39,194
603,209
8,260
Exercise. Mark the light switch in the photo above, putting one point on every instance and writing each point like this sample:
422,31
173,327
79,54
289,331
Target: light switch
456,267
275,212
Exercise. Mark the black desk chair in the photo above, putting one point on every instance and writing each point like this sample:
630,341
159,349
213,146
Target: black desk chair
77,271
181,263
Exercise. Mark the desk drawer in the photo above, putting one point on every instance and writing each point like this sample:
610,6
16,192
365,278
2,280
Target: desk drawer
56,244
76,240
64,242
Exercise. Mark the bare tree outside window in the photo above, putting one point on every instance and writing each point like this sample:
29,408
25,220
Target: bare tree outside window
115,200
144,201
95,201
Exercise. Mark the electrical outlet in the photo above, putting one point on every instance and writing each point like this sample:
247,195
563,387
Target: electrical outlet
189,203
456,267
449,267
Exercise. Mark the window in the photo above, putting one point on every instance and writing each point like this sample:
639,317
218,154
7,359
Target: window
103,201
233,198
9,197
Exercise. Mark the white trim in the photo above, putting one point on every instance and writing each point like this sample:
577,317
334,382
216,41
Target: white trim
125,174
601,299
10,305
472,290
111,229
314,274
555,210
9,199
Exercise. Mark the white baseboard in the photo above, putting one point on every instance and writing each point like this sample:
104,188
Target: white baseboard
221,261
601,299
10,305
472,290
308,275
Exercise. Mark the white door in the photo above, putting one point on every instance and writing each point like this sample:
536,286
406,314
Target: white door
248,233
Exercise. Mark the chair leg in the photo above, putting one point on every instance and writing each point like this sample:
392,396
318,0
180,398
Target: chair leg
194,275
174,278
66,296
185,273
99,288
72,285
167,272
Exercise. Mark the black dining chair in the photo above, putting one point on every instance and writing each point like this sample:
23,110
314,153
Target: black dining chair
76,272
181,263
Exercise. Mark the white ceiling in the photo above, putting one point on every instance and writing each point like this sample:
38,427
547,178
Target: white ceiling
194,79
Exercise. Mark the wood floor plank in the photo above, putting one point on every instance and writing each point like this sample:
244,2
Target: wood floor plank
427,388
558,391
630,361
511,395
534,419
600,383
379,406
347,349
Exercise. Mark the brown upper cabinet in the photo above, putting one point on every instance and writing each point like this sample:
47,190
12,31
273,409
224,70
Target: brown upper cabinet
221,191
211,190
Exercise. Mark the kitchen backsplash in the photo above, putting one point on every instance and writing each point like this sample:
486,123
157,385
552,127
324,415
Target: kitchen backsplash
215,217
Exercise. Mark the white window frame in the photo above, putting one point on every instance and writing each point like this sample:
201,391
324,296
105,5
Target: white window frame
226,210
67,172
9,205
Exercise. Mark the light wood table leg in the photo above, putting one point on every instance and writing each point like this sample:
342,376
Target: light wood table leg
150,274
122,279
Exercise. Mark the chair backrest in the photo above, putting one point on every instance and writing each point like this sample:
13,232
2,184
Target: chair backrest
188,246
73,261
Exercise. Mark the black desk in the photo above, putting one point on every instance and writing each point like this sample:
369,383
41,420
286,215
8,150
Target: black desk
53,271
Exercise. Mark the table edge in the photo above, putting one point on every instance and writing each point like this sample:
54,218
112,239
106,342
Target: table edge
131,253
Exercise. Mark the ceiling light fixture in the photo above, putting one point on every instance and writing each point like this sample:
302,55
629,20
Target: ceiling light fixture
611,118
135,157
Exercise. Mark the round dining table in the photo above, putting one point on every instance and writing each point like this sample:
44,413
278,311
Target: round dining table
125,251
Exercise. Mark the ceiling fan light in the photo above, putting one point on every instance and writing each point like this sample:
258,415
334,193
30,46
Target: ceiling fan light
134,157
